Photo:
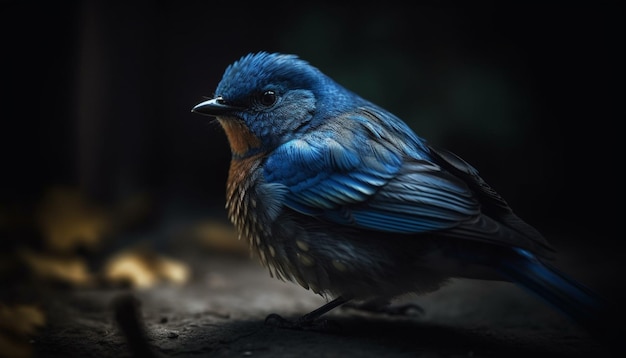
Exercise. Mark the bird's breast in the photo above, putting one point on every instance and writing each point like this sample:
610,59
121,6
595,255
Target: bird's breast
240,195
248,213
245,210
240,138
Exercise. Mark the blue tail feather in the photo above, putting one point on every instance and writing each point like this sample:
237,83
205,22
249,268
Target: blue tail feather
573,299
565,294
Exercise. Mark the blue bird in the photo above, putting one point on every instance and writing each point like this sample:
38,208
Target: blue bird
341,196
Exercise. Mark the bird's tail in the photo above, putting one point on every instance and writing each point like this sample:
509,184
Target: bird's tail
572,298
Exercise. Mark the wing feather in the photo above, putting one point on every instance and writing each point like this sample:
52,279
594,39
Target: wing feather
361,179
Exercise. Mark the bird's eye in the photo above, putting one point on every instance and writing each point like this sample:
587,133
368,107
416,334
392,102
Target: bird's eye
268,98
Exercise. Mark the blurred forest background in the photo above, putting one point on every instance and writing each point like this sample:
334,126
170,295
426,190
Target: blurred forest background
100,149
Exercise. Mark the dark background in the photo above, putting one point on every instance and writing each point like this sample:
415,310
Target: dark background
97,96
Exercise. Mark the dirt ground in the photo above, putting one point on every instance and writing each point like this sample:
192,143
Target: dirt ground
220,312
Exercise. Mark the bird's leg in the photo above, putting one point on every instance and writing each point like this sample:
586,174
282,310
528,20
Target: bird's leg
308,321
383,306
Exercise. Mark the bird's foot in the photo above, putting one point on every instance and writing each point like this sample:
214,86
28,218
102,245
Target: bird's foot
301,324
407,309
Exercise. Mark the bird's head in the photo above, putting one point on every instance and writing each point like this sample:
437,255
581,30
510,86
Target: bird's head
264,99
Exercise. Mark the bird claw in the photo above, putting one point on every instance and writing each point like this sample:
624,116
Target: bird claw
301,324
408,309
278,321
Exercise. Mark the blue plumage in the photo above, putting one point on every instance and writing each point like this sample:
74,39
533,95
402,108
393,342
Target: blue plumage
341,196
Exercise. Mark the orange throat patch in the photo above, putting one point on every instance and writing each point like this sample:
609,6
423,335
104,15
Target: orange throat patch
239,136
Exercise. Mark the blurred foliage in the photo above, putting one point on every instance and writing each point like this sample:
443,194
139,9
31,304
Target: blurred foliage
218,236
73,230
70,270
143,268
68,220
18,324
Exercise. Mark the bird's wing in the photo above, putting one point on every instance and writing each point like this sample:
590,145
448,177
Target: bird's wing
351,173
492,204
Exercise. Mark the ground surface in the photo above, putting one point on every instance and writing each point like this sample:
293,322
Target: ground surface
221,312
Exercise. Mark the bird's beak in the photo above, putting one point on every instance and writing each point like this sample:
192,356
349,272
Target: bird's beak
213,107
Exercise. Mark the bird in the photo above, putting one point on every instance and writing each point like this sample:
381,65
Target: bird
339,195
